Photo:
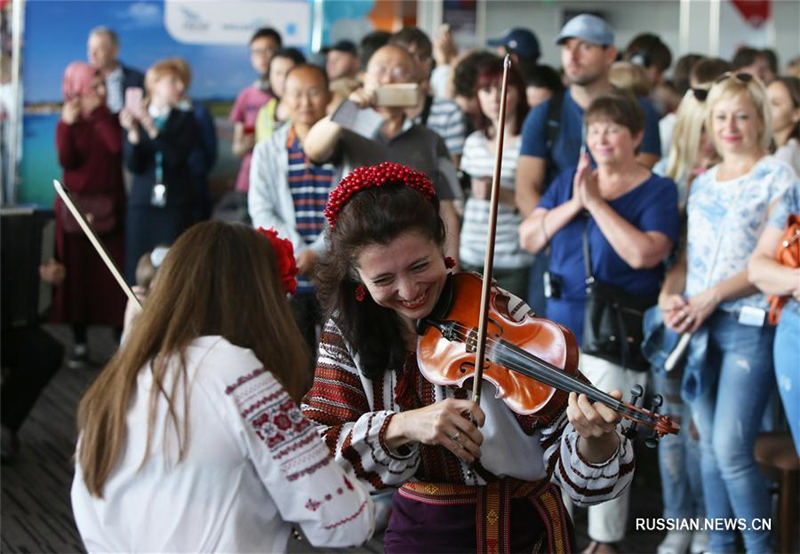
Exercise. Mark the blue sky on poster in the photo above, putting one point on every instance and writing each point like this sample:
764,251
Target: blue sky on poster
56,33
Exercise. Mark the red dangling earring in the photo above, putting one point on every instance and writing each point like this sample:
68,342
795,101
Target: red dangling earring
449,262
361,292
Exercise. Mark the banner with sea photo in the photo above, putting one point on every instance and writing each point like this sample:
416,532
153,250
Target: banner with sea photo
213,40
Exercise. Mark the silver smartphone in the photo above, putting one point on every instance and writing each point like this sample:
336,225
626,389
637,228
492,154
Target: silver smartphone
399,95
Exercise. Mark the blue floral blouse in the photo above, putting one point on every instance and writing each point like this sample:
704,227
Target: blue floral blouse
733,213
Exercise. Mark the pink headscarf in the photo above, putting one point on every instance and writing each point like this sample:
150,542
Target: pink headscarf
77,79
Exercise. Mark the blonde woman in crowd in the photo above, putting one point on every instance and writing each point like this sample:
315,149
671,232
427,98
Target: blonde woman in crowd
691,153
707,293
191,439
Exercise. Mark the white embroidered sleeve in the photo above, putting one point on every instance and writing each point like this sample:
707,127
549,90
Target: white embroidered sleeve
308,487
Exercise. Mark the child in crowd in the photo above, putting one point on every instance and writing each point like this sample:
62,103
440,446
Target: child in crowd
146,270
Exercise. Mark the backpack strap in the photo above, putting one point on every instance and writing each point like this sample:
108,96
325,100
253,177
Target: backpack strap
553,127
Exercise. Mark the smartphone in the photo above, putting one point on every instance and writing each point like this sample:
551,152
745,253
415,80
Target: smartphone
399,95
134,100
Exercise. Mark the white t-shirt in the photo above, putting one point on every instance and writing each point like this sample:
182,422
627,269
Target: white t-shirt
478,161
253,463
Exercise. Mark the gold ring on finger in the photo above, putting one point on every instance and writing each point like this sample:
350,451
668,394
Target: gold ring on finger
455,436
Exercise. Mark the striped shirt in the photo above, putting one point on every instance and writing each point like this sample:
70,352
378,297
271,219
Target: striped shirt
309,184
447,120
478,161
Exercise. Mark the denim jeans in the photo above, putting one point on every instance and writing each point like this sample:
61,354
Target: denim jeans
678,455
728,417
787,369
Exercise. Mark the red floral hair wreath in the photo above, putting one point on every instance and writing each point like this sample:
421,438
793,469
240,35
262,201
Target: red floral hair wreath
374,176
284,255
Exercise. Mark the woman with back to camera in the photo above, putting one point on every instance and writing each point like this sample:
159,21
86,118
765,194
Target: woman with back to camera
386,269
89,145
190,438
707,293
158,142
631,226
511,262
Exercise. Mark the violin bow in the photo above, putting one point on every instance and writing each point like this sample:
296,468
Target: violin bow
488,262
63,192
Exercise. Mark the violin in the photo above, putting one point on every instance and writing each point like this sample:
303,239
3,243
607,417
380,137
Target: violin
533,362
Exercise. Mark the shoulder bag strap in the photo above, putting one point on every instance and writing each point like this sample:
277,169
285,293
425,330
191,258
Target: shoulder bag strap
587,251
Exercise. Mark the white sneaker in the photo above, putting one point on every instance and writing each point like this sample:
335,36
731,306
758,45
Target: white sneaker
699,542
676,542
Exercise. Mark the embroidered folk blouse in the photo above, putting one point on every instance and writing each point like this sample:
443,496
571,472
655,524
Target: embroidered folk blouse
354,411
253,465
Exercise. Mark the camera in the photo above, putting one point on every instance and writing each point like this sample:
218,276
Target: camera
552,285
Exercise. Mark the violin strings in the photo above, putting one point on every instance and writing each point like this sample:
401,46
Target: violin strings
554,379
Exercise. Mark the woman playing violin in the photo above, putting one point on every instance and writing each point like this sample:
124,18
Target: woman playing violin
471,477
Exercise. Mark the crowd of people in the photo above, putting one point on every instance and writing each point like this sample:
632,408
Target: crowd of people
369,177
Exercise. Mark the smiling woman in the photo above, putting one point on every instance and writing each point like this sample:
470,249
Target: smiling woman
378,414
707,292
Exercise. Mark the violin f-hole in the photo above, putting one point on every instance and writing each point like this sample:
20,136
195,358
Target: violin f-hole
469,367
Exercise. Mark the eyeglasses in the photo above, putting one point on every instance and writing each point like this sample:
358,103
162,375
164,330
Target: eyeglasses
741,77
399,73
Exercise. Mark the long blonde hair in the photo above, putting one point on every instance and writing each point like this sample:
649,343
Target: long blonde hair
217,279
690,121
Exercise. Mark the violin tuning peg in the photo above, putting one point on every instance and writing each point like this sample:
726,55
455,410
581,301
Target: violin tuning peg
637,391
657,400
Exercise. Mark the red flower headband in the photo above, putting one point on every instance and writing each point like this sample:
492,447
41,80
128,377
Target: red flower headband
374,176
284,254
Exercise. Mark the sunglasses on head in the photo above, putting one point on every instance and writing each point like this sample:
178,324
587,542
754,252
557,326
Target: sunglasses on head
741,77
700,94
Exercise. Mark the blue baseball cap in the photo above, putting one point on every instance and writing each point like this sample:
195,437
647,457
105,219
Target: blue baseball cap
588,28
519,41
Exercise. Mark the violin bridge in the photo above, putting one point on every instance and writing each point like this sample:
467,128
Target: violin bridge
471,344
